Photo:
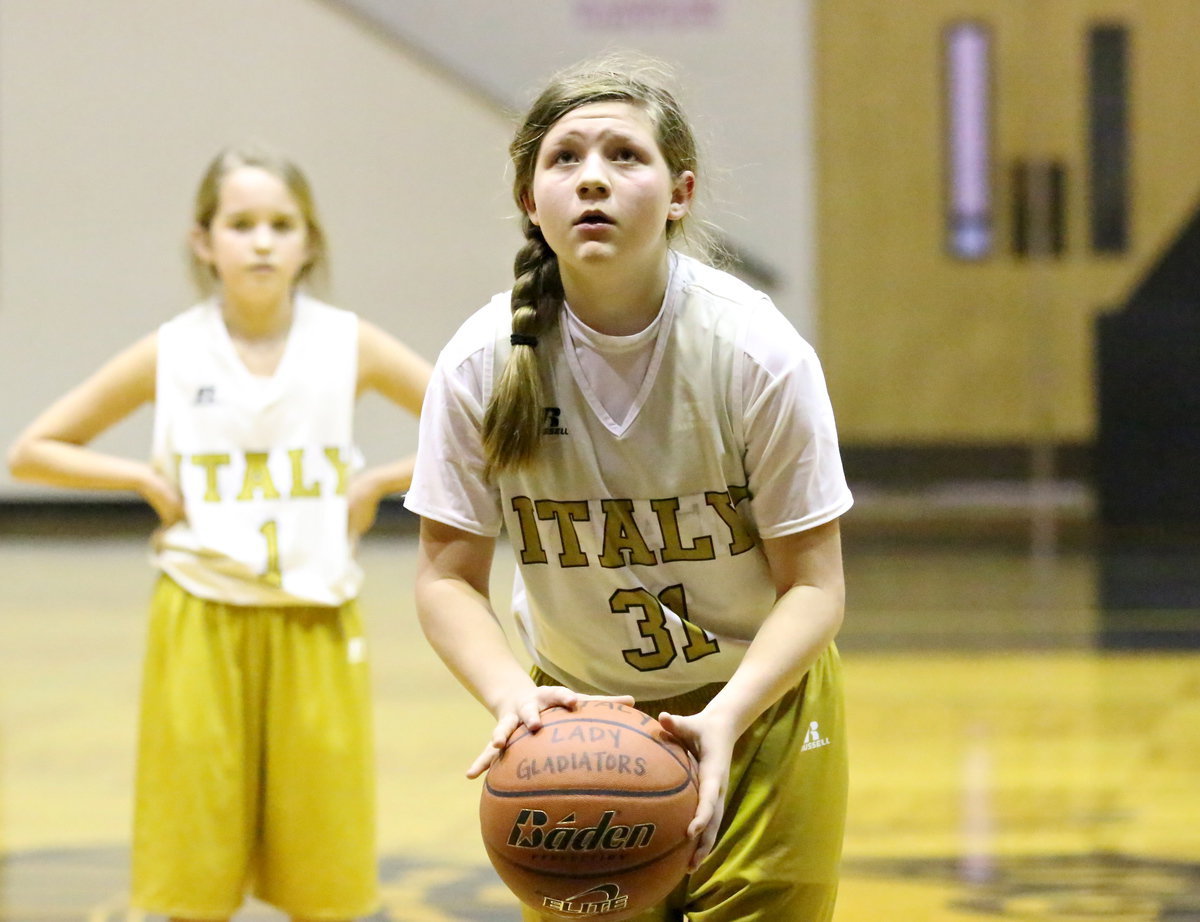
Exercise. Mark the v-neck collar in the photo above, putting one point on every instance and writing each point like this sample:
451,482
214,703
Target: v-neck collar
264,385
664,320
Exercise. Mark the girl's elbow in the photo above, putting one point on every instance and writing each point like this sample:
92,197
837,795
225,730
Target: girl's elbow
19,460
28,459
835,616
837,619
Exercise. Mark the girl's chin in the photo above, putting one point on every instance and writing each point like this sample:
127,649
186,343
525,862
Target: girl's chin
258,289
593,251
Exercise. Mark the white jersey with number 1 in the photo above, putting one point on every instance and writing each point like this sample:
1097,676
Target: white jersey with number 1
263,463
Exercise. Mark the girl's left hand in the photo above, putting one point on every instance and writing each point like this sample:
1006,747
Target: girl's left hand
363,502
163,496
527,711
711,742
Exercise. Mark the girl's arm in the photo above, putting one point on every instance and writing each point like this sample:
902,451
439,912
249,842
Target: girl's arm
52,449
810,598
398,373
453,568
388,366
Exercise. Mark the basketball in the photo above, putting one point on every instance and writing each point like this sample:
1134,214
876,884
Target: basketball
588,816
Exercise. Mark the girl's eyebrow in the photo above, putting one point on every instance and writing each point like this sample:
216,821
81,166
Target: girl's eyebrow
569,135
272,212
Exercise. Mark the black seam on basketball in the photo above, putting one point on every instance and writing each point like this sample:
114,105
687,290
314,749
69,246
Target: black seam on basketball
588,792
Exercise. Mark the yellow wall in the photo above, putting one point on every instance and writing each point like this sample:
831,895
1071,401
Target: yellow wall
921,348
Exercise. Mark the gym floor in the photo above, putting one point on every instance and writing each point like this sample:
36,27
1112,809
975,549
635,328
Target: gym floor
1024,703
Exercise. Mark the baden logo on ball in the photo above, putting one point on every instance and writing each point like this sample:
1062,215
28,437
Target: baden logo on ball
589,816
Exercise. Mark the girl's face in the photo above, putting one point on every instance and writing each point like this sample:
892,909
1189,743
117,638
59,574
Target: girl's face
602,190
257,242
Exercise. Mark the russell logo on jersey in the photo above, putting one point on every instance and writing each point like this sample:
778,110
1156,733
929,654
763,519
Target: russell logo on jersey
552,422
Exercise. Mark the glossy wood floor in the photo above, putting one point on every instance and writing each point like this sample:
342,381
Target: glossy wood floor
1025,734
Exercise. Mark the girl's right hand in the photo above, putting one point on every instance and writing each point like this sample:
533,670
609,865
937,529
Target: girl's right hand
711,741
526,710
163,497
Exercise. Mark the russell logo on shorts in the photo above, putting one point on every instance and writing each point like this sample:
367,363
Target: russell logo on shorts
813,738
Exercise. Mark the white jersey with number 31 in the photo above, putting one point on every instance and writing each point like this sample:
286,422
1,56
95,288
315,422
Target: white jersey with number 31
640,566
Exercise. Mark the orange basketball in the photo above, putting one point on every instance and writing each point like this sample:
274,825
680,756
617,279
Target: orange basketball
589,816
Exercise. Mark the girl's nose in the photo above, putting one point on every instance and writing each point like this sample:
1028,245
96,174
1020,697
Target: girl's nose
593,179
262,237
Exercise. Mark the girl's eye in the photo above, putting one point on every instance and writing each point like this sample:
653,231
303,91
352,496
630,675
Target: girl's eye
241,224
626,155
283,226
563,156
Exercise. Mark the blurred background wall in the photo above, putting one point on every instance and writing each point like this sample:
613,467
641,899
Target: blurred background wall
110,112
944,196
399,112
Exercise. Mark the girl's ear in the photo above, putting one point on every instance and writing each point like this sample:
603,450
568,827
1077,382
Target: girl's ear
201,244
681,195
529,206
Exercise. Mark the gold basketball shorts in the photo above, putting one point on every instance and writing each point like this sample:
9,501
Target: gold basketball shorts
780,844
255,764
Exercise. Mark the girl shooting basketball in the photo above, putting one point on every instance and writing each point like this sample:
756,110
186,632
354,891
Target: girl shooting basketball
658,442
255,764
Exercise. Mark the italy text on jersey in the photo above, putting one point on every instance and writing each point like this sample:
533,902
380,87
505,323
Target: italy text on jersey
305,474
623,541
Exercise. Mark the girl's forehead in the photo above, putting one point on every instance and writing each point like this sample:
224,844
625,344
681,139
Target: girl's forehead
253,187
596,117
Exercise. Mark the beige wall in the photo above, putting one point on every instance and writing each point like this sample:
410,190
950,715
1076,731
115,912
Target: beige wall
109,112
110,109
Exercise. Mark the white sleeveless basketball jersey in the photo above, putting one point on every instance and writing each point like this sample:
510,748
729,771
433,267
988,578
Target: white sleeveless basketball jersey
263,463
638,543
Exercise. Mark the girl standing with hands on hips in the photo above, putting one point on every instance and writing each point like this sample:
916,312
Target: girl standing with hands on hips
255,762
658,442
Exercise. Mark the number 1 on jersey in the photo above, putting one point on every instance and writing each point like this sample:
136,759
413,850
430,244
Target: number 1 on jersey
270,531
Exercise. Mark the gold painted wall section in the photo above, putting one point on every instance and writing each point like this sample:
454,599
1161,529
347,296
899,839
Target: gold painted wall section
918,346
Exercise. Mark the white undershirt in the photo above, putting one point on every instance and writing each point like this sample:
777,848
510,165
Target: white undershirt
615,366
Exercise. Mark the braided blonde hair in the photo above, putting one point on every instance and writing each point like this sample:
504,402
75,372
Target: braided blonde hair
512,422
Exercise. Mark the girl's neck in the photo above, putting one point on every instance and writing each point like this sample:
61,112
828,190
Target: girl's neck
257,320
617,303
